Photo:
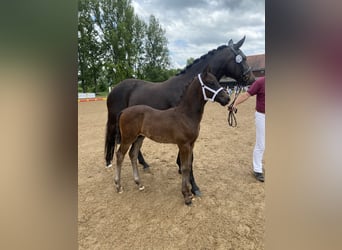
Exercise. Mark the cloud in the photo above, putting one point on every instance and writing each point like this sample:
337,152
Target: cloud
193,27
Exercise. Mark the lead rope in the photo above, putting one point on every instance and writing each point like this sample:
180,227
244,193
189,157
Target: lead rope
231,116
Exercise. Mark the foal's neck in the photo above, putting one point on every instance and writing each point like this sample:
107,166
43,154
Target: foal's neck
192,102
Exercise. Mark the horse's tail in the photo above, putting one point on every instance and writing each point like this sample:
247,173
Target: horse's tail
117,100
113,137
114,106
110,139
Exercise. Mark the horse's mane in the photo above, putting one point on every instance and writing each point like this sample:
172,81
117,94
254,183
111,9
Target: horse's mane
203,57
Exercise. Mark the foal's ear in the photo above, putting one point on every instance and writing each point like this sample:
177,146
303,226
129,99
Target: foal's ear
206,70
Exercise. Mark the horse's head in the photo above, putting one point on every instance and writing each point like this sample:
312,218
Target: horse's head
211,88
236,66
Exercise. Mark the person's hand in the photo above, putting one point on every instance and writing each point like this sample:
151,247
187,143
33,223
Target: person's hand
232,108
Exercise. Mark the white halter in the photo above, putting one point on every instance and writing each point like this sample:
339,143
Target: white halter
215,92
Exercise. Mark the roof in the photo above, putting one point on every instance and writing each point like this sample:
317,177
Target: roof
256,62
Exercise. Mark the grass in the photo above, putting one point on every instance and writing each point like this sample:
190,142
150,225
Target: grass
102,94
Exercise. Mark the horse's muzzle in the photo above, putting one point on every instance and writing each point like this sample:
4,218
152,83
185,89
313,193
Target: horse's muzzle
249,78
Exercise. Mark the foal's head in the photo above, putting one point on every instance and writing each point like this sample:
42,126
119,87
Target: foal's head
211,88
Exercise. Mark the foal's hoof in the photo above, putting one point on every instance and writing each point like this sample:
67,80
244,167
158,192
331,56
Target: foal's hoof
141,188
188,202
109,165
196,192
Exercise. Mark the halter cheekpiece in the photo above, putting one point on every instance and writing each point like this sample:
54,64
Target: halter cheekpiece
205,87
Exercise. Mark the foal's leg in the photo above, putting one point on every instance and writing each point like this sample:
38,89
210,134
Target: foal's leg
194,188
133,155
185,158
120,154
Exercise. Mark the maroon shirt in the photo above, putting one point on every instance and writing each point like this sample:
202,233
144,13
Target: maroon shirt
258,89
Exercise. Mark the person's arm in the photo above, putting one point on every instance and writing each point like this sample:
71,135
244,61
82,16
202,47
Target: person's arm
241,98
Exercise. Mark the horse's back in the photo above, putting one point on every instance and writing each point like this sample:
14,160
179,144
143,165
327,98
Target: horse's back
121,93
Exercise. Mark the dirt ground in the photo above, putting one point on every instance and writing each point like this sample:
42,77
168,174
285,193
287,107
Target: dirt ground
229,215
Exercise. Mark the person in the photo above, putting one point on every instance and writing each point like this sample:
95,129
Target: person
229,90
258,89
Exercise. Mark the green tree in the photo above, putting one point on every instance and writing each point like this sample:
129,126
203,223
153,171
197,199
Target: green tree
139,32
89,48
189,61
121,39
115,44
157,53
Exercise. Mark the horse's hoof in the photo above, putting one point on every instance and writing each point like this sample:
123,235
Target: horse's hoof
196,192
109,166
146,166
119,190
147,170
141,188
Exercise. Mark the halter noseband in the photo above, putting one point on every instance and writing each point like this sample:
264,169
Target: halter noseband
215,92
238,59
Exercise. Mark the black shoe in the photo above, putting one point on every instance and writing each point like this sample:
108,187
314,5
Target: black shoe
259,176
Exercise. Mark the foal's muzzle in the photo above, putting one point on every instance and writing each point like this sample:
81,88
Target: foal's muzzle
223,98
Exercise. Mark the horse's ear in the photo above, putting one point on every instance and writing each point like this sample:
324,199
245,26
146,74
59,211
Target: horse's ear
239,43
230,43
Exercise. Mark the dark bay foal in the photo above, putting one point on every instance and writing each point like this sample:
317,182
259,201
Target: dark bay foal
179,125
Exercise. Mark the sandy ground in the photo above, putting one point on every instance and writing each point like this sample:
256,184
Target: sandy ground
229,215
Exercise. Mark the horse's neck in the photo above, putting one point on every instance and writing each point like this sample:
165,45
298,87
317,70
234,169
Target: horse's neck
216,71
217,68
192,102
214,60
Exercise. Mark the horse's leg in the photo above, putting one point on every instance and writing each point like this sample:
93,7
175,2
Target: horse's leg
120,154
185,158
133,155
142,161
141,158
194,188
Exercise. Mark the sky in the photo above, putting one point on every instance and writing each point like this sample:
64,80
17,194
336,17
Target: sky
194,27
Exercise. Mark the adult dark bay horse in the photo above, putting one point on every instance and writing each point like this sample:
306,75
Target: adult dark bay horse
178,125
226,60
